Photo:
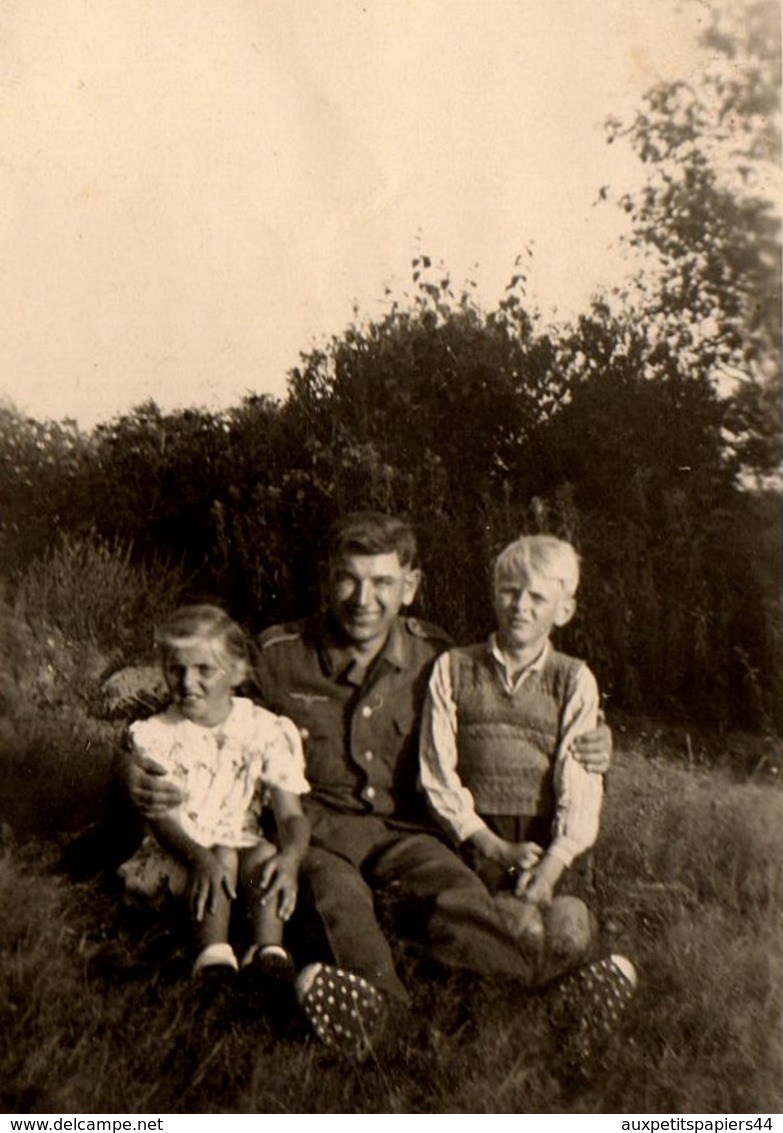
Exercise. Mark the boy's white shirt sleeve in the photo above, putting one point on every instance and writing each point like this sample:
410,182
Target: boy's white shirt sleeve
451,802
579,792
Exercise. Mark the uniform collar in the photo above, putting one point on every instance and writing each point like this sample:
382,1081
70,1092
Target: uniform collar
338,662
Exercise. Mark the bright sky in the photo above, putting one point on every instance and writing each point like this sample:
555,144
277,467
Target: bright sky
195,191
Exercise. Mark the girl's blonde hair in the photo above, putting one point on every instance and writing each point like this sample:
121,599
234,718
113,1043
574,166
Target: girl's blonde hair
546,555
202,622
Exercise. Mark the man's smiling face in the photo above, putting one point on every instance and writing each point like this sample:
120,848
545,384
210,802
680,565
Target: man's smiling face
366,593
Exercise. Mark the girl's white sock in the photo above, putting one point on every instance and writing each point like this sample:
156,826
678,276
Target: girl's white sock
213,954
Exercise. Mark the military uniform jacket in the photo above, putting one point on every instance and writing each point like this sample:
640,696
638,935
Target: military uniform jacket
359,728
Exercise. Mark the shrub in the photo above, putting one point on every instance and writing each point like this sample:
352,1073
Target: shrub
91,591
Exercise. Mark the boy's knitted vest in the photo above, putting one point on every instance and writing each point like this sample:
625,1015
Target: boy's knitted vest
506,742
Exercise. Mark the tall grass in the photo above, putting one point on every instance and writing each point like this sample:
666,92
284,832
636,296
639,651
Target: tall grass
69,619
691,879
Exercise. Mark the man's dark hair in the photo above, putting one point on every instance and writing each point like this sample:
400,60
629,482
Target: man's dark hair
372,533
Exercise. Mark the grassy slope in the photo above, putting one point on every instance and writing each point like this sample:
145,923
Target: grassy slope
95,1017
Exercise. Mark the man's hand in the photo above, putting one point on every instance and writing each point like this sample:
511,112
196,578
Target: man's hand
208,877
147,786
594,749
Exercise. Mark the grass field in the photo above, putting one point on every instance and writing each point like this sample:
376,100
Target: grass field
96,1014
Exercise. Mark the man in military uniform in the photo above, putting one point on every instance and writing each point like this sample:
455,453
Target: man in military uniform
354,680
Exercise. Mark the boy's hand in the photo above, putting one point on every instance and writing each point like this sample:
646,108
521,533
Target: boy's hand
534,890
208,877
278,882
515,856
528,854
537,885
594,749
495,848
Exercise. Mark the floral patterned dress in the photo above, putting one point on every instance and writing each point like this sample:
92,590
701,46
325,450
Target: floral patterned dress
225,773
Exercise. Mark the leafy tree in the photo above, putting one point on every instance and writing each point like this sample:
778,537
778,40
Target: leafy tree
707,225
42,467
440,375
423,412
632,468
155,477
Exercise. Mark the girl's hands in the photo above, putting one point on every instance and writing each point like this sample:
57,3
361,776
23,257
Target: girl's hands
208,879
278,880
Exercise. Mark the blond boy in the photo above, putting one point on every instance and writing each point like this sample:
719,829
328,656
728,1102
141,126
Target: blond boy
498,727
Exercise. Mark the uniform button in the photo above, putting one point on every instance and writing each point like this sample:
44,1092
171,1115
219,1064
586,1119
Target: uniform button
369,756
367,712
369,792
304,733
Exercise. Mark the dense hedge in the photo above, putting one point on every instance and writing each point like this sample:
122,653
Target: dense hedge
476,427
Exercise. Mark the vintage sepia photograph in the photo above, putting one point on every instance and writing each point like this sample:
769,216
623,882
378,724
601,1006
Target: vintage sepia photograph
391,651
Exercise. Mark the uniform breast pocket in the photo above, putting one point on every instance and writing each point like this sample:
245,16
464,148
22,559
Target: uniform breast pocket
403,766
320,726
406,725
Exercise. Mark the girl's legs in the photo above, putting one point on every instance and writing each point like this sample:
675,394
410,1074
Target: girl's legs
267,927
266,957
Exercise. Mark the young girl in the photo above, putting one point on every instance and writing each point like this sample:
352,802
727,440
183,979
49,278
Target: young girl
230,758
